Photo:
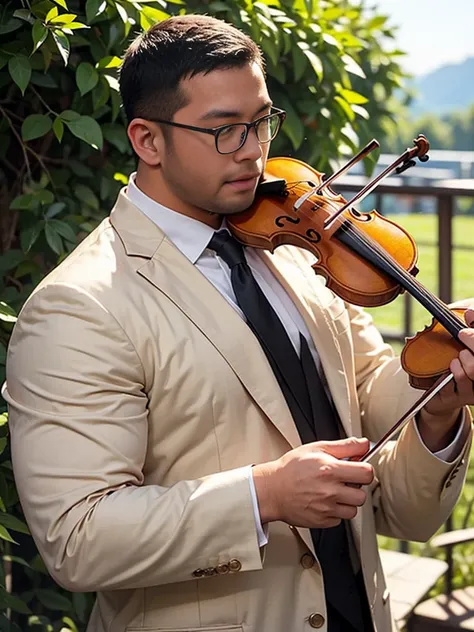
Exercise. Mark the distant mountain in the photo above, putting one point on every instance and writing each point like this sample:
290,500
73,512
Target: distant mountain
448,88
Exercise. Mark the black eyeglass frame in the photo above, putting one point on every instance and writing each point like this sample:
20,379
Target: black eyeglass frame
216,131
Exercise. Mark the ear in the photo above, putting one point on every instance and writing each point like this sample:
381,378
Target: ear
147,141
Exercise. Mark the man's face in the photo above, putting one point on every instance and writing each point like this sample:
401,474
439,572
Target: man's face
195,174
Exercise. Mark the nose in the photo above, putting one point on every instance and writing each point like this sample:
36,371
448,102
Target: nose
251,149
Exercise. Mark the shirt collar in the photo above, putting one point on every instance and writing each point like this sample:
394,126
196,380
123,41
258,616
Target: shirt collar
189,235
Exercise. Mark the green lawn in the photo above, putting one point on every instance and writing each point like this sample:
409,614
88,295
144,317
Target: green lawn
390,318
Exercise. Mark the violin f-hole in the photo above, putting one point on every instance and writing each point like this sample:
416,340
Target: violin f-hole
280,220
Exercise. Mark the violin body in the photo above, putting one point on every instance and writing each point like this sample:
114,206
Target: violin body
429,353
272,221
366,259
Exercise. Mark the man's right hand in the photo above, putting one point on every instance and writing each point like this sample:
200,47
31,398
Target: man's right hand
312,485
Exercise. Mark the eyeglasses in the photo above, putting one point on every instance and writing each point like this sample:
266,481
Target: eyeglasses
230,138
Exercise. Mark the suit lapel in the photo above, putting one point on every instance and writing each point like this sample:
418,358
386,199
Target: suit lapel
175,276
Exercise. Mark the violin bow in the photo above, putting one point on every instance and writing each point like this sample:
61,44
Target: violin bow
417,406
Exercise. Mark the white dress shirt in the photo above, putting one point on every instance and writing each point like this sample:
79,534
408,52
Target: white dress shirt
191,237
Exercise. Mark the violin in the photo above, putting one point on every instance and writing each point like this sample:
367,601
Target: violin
366,259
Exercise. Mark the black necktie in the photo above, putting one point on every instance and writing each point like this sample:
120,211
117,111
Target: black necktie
315,419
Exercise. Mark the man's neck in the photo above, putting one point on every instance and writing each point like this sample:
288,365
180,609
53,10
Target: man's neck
151,186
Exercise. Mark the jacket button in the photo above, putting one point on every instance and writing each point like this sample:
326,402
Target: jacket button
198,572
234,566
316,620
307,560
209,572
222,569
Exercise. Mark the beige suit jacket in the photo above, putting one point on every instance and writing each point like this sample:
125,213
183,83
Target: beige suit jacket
138,397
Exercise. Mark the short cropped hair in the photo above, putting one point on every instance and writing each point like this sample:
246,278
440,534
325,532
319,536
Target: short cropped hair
179,48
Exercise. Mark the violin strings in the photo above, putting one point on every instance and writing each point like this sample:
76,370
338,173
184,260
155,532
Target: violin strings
438,309
411,281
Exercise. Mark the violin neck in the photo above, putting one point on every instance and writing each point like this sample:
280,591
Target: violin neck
371,251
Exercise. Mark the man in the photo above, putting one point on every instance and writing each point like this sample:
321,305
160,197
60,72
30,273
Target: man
157,429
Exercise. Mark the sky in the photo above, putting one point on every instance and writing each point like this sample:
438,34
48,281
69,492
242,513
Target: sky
432,32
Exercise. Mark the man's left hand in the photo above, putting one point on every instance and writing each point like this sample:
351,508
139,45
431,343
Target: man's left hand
438,421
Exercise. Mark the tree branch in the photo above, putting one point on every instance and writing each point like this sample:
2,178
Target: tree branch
41,162
18,137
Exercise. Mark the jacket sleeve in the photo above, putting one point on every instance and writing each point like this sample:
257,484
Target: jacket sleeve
78,424
414,490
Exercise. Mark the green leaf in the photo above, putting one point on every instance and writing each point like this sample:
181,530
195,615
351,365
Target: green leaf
44,197
353,97
20,71
29,235
293,126
39,33
86,195
8,626
58,128
100,94
63,229
80,605
4,535
299,62
52,13
7,314
86,129
117,136
358,109
25,202
331,40
109,62
122,12
70,623
43,80
38,620
69,115
63,45
12,25
3,416
35,126
86,78
150,16
63,19
10,259
16,560
345,107
55,209
94,8
11,601
10,522
53,600
24,14
219,6
315,62
74,26
377,22
54,240
352,66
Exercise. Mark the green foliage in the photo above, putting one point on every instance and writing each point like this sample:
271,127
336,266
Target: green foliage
64,154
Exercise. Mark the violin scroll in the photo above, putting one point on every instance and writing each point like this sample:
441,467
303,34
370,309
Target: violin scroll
420,151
